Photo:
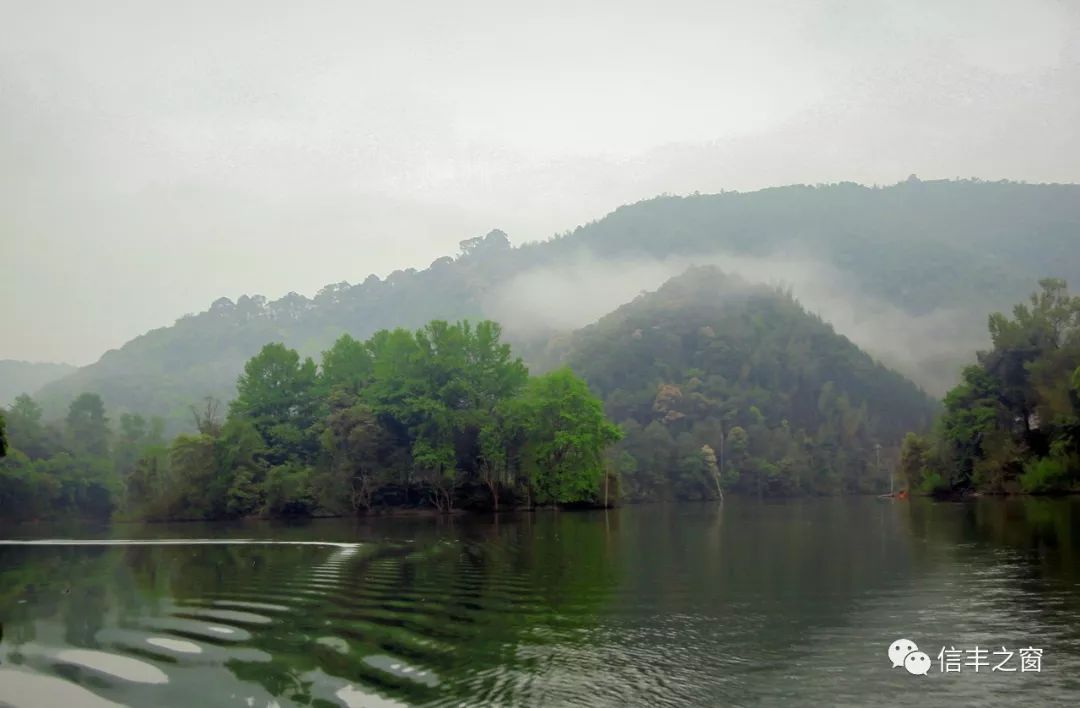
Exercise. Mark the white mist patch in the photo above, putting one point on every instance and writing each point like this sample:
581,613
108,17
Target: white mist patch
928,347
574,294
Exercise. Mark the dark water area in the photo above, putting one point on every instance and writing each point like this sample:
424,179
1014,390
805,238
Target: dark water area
746,603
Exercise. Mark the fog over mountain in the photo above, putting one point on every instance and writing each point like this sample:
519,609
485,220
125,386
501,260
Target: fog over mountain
156,156
910,272
927,347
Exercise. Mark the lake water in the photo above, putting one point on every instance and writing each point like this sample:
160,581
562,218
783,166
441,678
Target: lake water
745,603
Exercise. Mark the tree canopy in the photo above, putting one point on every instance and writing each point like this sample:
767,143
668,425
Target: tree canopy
711,370
442,416
1013,422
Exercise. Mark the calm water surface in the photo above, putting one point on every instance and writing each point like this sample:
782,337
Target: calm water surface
748,603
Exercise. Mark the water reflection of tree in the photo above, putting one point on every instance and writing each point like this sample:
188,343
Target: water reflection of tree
1041,532
458,597
458,600
77,586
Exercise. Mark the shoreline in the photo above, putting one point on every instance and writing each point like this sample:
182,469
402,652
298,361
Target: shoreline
431,512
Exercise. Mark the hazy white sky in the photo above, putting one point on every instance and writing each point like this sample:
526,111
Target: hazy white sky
157,155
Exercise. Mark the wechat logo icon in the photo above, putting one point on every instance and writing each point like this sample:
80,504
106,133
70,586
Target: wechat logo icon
905,653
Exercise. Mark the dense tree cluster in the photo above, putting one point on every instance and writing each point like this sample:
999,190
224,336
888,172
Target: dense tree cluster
716,385
1013,422
444,416
721,384
73,467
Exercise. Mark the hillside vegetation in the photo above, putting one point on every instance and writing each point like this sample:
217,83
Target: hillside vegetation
721,384
443,416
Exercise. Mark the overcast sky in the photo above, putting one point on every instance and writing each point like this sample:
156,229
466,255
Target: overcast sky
157,155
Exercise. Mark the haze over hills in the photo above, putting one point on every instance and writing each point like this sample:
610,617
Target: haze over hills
711,360
909,272
538,353
27,376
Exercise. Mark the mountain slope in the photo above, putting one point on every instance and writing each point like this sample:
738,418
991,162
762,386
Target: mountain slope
710,360
918,261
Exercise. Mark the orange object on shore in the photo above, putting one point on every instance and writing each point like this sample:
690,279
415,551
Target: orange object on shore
902,494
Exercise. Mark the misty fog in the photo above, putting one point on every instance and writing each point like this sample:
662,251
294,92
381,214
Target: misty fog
572,295
151,166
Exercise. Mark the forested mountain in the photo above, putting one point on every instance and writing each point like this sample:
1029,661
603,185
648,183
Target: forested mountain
27,376
712,376
963,247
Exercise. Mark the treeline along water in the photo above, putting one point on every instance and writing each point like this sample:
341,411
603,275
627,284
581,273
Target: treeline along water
702,604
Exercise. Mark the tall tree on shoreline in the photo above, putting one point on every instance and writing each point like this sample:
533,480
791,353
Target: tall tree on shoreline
1013,422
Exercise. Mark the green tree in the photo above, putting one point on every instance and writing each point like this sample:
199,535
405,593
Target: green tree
414,416
25,429
288,490
913,460
356,449
347,365
500,439
145,487
194,488
1013,422
133,438
972,411
87,426
277,394
568,434
738,453
240,451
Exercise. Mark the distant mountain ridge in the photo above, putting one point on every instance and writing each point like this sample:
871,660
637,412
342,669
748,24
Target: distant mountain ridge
970,245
